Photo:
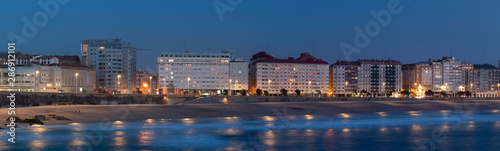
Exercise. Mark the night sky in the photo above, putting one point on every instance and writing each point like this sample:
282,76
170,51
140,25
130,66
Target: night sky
468,30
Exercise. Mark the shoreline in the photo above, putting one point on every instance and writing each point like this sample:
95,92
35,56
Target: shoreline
86,114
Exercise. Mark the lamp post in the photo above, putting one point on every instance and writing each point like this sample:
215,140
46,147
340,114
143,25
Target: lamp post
269,86
189,79
164,86
230,80
118,84
76,83
37,81
345,90
150,78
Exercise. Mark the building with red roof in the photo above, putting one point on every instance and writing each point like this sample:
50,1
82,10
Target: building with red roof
305,73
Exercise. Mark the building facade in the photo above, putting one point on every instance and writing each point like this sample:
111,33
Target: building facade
51,78
195,73
305,73
238,75
114,62
417,77
486,81
374,76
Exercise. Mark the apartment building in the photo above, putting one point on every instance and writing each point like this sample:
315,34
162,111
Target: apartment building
374,76
417,77
195,73
486,81
305,73
114,62
238,75
344,78
67,78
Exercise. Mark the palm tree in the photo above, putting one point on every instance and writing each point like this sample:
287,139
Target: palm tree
266,93
443,93
468,93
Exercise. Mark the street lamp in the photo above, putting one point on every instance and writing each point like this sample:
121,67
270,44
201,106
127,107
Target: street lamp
37,81
345,90
310,90
189,79
76,83
118,84
165,85
230,80
269,86
150,78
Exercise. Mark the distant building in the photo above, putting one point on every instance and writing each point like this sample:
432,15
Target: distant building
27,59
114,62
238,75
373,76
195,73
417,77
143,80
50,78
486,81
305,73
447,74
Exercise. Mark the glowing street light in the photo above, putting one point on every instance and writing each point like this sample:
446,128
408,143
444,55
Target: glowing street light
189,79
230,81
37,81
76,83
118,84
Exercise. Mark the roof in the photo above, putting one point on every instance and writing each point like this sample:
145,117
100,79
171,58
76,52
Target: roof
67,57
376,61
355,63
484,66
304,58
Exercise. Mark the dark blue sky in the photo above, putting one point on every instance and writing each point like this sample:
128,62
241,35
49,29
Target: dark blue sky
424,29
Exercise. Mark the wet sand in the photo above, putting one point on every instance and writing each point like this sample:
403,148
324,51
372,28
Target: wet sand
105,113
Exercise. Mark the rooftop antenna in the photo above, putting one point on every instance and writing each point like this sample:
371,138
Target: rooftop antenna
305,45
269,46
262,43
313,48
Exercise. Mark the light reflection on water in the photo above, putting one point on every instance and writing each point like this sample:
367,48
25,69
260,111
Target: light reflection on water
309,132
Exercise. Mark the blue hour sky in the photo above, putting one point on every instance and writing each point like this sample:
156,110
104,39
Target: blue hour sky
468,30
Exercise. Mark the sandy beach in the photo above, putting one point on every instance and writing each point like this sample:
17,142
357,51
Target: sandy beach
103,113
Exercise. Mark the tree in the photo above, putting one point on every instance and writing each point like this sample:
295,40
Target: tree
388,92
443,93
460,93
318,91
468,93
266,93
283,92
243,92
364,92
259,92
429,93
405,92
297,92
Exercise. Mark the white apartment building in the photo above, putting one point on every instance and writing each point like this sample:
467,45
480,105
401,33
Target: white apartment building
238,75
196,73
50,78
451,75
114,62
306,73
486,81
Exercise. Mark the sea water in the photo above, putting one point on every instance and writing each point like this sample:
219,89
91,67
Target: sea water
413,130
